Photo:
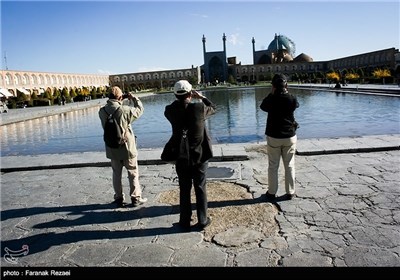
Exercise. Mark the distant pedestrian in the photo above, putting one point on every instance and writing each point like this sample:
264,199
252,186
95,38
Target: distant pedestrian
193,145
125,155
281,135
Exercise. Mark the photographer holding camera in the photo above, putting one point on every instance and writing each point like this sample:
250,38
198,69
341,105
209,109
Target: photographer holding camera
281,136
126,154
191,140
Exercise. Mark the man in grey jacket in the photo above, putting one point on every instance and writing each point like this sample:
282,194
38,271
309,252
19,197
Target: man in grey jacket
126,154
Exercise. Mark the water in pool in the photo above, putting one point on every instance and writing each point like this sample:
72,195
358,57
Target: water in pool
238,119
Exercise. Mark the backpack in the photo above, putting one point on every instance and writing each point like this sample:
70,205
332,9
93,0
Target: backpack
113,136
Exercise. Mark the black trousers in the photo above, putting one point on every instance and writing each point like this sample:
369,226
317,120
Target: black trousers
195,176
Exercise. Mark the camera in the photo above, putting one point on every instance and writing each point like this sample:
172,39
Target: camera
125,95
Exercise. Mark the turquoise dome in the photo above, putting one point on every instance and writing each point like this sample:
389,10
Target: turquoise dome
282,42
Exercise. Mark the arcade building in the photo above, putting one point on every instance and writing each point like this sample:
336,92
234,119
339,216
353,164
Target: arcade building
280,56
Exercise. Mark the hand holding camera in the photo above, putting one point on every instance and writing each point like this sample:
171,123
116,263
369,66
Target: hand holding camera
196,94
129,96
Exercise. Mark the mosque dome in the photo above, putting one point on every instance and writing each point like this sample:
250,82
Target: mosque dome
281,42
303,58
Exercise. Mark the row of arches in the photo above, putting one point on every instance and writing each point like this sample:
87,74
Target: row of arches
154,76
12,80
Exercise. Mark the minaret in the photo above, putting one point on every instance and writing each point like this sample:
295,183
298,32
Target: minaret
224,40
225,60
5,60
254,50
204,46
204,76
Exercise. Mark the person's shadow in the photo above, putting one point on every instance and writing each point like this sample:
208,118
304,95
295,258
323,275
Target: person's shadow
71,218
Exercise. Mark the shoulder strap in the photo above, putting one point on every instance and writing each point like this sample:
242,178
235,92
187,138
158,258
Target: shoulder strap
184,120
115,112
104,108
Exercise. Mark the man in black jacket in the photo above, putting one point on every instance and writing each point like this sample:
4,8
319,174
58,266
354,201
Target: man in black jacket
190,138
281,135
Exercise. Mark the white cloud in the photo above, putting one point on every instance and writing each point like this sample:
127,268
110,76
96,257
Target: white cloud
234,39
199,15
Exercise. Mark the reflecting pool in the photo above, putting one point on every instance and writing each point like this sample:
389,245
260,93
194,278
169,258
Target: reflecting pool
238,120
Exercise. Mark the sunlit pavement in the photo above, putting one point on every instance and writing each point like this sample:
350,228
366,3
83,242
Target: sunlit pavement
56,210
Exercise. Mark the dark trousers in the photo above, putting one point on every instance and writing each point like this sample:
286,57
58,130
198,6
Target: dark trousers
192,176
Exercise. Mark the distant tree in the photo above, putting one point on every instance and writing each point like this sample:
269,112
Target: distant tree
93,93
304,77
333,76
360,73
72,93
65,93
295,77
57,93
231,80
312,77
320,76
85,91
268,76
21,96
48,95
193,80
352,76
381,74
34,95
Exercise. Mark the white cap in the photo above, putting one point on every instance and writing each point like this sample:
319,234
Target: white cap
182,87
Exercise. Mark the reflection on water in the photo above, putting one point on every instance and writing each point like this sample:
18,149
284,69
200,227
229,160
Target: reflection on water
238,119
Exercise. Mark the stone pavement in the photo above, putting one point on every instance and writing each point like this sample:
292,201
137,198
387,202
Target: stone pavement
56,210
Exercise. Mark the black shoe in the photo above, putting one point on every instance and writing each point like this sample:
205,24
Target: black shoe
184,226
289,196
270,196
203,226
119,202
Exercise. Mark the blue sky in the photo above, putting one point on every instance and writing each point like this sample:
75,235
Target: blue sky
111,37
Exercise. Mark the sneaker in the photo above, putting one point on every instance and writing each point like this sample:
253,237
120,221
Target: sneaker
203,226
269,196
138,201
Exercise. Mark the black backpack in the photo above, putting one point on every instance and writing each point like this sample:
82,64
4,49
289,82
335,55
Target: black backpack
113,136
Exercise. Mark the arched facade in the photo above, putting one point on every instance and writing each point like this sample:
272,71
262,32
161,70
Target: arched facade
26,81
155,79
